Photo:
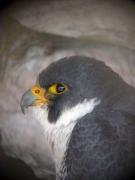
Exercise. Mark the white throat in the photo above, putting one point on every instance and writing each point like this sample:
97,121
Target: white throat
58,134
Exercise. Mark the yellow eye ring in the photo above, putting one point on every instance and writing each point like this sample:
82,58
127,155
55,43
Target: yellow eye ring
58,88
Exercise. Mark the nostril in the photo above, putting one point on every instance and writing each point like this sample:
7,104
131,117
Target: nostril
37,91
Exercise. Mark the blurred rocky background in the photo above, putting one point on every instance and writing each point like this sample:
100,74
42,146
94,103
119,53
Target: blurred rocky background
34,33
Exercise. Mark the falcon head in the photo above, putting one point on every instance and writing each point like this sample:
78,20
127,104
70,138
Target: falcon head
66,83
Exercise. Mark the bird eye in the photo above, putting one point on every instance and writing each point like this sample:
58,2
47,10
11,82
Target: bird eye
58,88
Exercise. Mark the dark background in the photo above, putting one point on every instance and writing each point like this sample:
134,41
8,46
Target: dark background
4,3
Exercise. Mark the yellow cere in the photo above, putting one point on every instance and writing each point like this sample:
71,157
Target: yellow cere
39,93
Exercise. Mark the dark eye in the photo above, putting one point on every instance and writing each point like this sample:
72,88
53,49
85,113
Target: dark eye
58,88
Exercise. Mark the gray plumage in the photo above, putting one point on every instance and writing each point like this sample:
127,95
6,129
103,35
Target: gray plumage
102,143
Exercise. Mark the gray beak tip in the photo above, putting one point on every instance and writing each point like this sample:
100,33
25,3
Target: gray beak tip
23,110
26,101
22,106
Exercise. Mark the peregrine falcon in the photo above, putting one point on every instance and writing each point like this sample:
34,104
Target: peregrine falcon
88,116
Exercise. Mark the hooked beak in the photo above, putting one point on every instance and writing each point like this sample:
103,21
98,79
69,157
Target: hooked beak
36,96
